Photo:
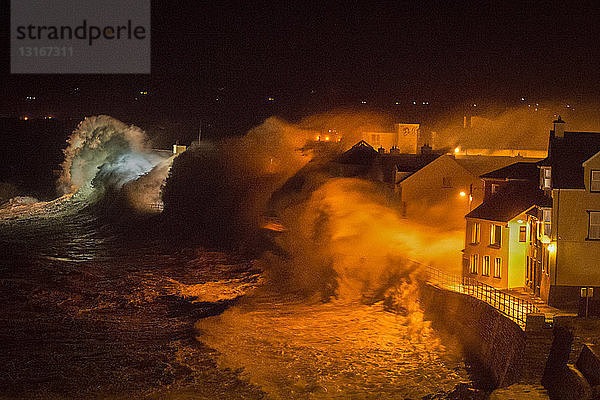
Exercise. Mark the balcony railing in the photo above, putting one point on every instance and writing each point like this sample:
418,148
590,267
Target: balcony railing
513,307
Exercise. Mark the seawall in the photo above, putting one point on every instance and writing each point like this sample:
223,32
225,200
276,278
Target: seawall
507,353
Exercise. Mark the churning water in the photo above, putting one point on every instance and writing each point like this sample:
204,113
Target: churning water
98,304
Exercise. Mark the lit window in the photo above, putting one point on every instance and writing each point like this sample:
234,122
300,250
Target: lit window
522,233
474,263
496,235
545,178
595,181
547,217
486,266
475,232
594,228
497,267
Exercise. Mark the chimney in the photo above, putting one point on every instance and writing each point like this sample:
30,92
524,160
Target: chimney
381,150
394,150
559,127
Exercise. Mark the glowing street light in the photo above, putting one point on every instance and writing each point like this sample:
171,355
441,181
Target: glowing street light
552,247
457,149
463,194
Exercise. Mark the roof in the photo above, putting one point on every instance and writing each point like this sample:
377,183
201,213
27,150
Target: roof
479,165
510,201
360,154
566,156
518,171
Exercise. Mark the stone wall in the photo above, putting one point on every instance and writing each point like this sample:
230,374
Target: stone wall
555,356
506,352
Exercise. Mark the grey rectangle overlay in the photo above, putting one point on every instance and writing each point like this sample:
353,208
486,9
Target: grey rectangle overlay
80,37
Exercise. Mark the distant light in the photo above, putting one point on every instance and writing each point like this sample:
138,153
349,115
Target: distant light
462,194
25,118
397,103
470,198
327,138
270,99
363,102
522,98
474,105
552,247
339,139
457,149
318,138
519,221
568,106
414,102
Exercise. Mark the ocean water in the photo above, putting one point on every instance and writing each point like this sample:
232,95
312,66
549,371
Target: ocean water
92,310
102,296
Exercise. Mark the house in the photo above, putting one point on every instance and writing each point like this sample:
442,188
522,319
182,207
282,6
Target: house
570,176
449,187
363,161
403,139
499,233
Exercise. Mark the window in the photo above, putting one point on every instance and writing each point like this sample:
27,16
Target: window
531,230
474,264
475,232
376,139
497,267
545,178
495,187
496,235
547,212
486,266
595,181
446,182
522,233
594,227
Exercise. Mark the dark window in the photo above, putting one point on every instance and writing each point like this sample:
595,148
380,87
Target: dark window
594,227
496,235
486,266
523,233
595,181
497,267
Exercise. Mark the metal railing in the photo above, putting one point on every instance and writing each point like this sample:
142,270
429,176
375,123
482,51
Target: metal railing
511,306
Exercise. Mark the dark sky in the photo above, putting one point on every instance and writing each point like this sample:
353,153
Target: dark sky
312,57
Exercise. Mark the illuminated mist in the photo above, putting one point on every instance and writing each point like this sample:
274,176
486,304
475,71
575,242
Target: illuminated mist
105,155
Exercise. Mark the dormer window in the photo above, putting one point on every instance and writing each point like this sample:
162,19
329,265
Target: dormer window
545,178
595,181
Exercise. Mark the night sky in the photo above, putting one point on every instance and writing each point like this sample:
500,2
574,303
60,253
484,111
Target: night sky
221,62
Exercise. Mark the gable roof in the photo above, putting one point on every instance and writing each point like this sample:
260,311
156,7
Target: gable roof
510,201
479,165
518,171
566,156
360,154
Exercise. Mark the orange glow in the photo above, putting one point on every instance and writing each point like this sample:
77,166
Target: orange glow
462,194
457,149
25,118
327,138
317,138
